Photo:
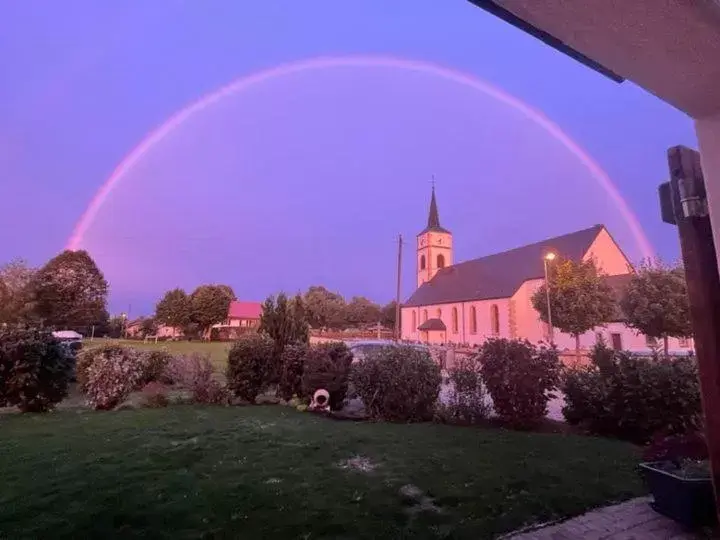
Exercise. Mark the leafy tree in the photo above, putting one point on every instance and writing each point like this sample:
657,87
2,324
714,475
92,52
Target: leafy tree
174,309
285,322
210,305
325,309
387,317
580,298
656,303
361,311
70,292
148,326
15,291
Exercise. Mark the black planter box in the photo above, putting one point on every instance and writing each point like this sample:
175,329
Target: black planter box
688,501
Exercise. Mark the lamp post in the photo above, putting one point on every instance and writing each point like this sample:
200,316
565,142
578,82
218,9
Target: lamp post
549,257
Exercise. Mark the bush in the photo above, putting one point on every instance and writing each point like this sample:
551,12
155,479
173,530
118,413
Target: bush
35,370
466,403
112,374
663,447
88,356
156,363
293,362
634,398
397,384
196,373
519,377
248,366
327,366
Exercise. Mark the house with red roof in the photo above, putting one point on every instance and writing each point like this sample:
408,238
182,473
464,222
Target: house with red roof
242,317
471,301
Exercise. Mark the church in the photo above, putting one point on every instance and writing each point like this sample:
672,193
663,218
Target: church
470,301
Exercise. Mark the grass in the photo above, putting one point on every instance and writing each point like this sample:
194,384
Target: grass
217,350
272,472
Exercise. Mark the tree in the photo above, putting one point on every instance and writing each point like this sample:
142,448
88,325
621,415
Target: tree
325,309
16,291
148,327
70,292
656,303
210,305
388,314
174,309
580,298
285,322
361,311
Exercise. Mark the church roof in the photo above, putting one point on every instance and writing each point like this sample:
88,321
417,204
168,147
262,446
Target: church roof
433,224
501,274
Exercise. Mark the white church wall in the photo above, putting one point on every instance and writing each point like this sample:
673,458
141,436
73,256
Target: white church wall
608,255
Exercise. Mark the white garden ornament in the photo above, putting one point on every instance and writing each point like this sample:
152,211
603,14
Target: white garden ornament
320,400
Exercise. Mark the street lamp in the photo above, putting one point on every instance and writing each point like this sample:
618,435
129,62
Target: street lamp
548,257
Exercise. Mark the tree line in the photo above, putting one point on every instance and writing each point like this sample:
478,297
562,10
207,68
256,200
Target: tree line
209,304
654,302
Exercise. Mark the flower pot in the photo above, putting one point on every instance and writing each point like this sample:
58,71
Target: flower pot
686,500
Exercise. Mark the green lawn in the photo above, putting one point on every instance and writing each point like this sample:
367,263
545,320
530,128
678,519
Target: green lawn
272,472
217,350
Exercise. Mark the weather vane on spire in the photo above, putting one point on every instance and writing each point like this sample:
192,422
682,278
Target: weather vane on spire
432,181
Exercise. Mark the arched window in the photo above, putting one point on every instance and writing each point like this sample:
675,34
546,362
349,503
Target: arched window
473,320
439,313
455,320
494,319
424,315
441,261
414,322
422,262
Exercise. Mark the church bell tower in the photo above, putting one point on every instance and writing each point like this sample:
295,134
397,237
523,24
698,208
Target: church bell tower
434,246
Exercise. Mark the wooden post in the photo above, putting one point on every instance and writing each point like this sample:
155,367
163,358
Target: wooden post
398,328
684,203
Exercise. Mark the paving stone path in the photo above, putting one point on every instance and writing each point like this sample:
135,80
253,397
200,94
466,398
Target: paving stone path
631,520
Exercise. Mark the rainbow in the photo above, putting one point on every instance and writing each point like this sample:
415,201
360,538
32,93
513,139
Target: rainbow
243,83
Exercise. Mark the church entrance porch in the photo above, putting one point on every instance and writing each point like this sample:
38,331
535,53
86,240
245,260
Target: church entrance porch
433,331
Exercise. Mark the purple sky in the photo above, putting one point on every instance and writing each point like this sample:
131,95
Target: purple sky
308,178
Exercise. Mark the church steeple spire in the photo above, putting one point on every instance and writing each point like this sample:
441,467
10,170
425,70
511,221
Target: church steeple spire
433,216
433,223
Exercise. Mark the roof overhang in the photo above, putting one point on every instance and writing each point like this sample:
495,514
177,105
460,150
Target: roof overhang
670,48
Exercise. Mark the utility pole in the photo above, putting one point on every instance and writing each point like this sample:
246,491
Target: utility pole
683,202
397,294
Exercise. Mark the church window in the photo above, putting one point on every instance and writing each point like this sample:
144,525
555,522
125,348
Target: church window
455,320
439,313
441,261
495,320
424,315
422,262
473,320
414,322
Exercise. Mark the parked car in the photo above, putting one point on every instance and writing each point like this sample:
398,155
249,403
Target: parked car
360,349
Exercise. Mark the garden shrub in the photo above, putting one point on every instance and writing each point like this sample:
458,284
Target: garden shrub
156,362
87,356
248,365
397,384
327,366
634,398
35,370
467,398
664,447
293,362
114,372
195,372
519,378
